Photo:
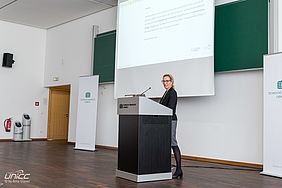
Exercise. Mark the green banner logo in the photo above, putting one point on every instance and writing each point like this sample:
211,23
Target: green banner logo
87,95
279,84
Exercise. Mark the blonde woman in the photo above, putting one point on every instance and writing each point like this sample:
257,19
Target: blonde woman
169,100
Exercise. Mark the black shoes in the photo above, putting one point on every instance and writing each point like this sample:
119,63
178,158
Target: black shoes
177,174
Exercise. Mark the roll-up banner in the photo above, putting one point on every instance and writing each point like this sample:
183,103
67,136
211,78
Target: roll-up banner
272,133
87,113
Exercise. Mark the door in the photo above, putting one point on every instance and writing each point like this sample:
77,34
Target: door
58,114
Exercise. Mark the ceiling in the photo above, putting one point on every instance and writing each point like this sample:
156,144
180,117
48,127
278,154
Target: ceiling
49,13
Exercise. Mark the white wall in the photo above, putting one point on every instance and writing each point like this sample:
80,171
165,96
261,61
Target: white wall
107,119
280,25
68,55
221,2
22,85
226,126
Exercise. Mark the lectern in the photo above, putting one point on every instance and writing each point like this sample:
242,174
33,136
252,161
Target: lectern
144,140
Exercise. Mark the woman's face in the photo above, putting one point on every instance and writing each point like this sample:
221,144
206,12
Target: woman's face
167,82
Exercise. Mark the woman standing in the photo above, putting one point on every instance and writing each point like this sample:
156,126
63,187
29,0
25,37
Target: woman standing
169,100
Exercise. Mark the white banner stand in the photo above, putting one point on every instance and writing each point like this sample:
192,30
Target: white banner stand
272,139
87,113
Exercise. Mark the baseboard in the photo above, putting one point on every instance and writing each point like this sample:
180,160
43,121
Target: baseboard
106,147
39,139
5,140
99,146
33,139
243,164
203,159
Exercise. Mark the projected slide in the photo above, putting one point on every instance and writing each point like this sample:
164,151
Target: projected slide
155,37
158,31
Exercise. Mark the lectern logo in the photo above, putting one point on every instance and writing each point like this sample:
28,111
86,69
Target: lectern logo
279,84
126,105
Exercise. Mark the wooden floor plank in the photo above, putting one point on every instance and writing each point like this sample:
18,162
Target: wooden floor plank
57,164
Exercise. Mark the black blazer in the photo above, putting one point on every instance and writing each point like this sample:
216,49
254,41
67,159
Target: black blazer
169,100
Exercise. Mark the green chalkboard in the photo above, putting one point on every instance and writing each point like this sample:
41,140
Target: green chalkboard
241,35
104,56
241,39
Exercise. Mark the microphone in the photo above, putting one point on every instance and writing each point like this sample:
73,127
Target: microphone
136,95
143,94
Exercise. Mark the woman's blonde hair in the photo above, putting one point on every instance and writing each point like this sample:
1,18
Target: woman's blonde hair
171,79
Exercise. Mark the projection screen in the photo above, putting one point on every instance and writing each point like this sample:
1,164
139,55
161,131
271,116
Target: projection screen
155,37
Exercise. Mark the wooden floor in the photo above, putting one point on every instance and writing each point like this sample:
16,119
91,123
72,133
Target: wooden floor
56,164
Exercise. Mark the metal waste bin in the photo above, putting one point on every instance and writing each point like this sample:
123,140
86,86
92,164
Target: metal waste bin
18,131
26,127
